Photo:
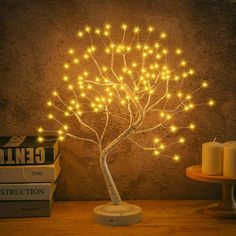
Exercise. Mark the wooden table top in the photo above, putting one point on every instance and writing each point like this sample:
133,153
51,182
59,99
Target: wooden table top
162,217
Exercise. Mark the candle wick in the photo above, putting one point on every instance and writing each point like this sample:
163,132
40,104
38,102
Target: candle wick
214,139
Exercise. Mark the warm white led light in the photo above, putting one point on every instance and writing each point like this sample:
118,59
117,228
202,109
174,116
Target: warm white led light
131,76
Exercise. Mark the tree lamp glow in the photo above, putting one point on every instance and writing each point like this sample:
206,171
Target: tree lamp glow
125,80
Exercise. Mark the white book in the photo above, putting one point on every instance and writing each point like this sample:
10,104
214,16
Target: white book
33,173
28,191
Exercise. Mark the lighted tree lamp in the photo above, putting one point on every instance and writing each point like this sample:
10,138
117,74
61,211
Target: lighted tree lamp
130,80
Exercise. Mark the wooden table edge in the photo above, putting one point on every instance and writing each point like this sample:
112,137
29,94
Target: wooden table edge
194,172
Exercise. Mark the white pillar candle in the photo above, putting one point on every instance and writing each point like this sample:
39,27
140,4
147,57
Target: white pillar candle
212,158
229,169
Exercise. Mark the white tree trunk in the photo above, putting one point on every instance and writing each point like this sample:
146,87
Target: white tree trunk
111,187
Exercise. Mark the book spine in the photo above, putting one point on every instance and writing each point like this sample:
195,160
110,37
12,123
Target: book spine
11,156
34,174
17,192
25,208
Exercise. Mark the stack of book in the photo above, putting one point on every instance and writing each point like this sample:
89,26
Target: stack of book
28,174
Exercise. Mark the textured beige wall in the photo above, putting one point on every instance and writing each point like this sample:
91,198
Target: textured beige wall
34,36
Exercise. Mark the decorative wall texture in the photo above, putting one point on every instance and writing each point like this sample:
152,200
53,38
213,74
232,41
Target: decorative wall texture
34,36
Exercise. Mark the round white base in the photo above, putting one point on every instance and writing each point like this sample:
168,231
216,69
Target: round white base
117,215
